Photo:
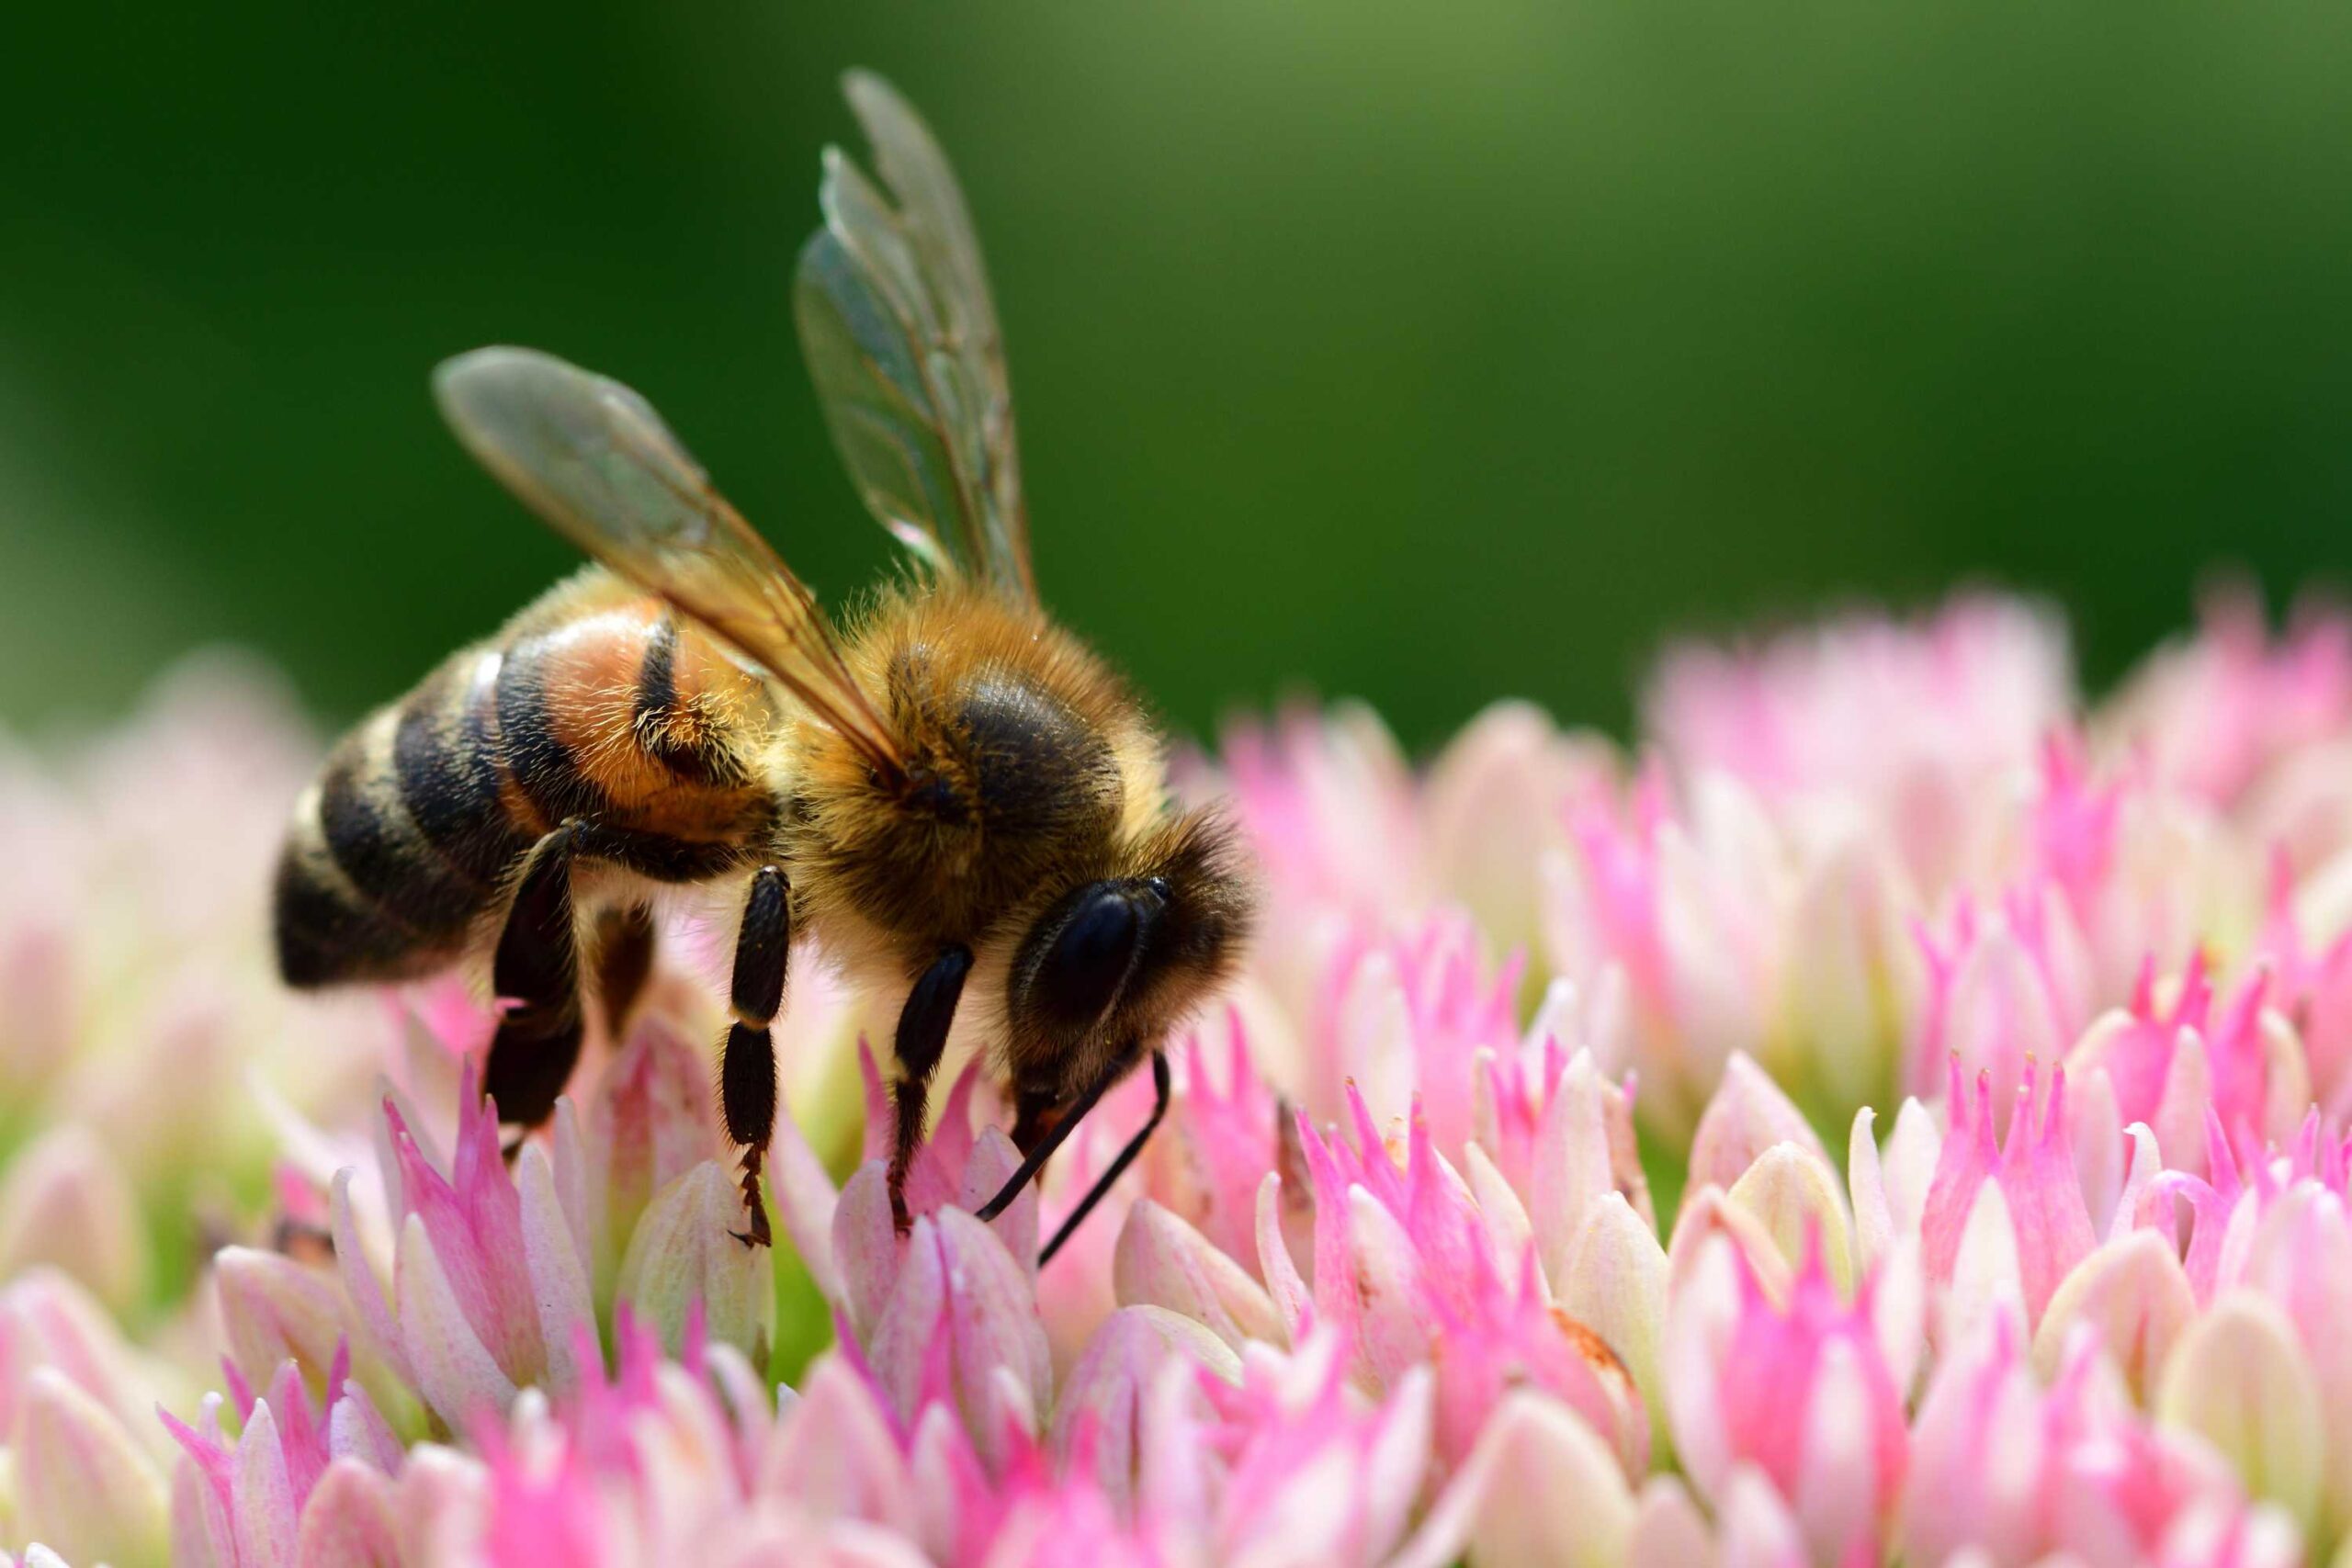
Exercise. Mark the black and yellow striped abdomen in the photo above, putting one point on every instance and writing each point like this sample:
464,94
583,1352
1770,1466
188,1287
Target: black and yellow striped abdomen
594,705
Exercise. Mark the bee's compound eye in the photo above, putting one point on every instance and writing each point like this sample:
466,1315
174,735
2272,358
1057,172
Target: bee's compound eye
1089,955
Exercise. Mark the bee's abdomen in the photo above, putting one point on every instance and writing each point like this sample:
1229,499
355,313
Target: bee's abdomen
395,850
593,706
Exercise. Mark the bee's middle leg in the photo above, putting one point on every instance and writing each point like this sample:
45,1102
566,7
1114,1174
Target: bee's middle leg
625,943
535,976
747,1070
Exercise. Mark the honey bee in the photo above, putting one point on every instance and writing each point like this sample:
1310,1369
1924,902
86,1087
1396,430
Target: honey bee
957,797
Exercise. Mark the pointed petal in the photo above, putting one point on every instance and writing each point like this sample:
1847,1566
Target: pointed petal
1162,1261
2135,1294
805,1200
1794,1193
1985,1276
1395,1322
866,1248
262,1496
2238,1379
684,1253
1293,1302
348,1521
995,1306
82,1486
1109,1390
1866,1185
1616,1287
1572,1165
454,1370
557,1269
273,1310
1538,1488
379,1336
1908,1163
1748,1114
357,1429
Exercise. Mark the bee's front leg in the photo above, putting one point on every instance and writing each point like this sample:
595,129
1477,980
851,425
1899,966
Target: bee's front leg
747,1071
921,1041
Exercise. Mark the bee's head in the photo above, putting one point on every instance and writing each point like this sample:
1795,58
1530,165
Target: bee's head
1112,964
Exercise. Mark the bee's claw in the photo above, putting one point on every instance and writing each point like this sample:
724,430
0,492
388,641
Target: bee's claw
756,1231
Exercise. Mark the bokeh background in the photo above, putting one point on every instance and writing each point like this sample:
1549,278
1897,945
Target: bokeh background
1426,353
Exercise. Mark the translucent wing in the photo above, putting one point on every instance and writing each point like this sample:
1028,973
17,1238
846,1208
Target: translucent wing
902,342
594,459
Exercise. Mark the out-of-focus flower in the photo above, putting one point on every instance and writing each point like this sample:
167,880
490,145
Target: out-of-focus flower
300,1481
2217,713
137,998
1905,726
1690,908
1350,836
1808,1390
85,1471
2179,1068
2015,1471
2040,1225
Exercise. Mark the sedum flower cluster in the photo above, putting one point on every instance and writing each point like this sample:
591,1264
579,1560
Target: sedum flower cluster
1894,1110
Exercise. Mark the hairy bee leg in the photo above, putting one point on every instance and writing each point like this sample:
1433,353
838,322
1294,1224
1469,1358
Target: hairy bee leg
1117,1167
747,1070
535,976
921,1038
624,962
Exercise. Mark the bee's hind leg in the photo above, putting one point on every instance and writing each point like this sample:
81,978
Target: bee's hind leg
747,1071
535,976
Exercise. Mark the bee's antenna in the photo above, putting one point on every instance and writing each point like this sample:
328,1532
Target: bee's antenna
1036,1158
1118,1167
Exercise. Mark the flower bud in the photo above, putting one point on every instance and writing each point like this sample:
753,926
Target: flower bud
684,1253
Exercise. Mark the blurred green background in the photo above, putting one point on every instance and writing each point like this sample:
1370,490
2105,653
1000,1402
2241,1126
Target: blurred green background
1427,352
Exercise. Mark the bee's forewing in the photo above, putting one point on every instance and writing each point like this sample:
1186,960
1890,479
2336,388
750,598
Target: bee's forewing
594,460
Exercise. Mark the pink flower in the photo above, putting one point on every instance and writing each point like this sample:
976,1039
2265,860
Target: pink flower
1388,1285
1905,722
1808,1390
494,1266
1689,906
298,1477
2216,713
2172,1067
87,1472
2016,1472
1409,1270
2040,1225
2005,986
